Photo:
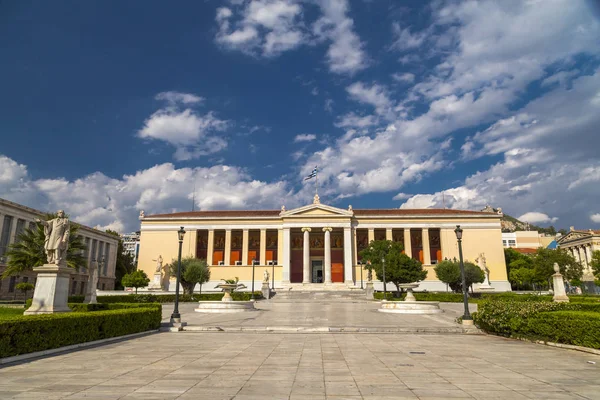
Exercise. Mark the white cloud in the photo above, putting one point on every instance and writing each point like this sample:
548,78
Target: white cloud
100,201
536,218
305,137
402,196
178,97
346,53
595,218
406,77
375,95
261,27
404,39
185,129
351,120
329,105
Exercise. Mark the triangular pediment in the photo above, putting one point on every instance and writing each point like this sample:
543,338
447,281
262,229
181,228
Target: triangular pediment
573,236
317,210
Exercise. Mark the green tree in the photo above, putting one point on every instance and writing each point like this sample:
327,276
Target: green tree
186,262
196,272
25,287
543,263
448,271
28,250
136,279
124,265
522,278
510,256
401,268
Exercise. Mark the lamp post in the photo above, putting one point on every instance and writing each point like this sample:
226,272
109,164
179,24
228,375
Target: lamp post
467,315
176,317
253,264
273,275
384,287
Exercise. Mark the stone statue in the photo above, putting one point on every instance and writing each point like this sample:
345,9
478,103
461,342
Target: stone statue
90,295
159,264
142,215
266,276
482,264
56,243
282,208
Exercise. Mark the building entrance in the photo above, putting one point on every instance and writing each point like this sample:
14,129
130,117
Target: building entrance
317,271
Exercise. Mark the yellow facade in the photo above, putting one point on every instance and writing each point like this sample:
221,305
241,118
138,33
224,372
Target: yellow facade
319,243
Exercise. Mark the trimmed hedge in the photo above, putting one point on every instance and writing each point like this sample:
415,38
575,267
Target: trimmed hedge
26,334
448,297
167,298
580,328
537,320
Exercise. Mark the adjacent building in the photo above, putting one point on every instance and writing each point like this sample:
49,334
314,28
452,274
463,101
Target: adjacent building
14,218
581,244
318,244
131,244
531,240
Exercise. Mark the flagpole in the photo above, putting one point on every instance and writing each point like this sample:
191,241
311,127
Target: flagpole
317,182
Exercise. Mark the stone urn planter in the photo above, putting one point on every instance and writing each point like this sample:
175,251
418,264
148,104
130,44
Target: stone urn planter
410,305
227,304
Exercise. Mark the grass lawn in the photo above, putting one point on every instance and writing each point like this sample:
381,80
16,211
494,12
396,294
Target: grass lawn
7,313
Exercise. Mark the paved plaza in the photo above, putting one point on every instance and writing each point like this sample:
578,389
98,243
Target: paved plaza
321,316
308,366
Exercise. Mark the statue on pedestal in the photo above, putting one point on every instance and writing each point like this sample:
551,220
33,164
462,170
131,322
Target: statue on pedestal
482,264
56,242
156,283
266,276
159,264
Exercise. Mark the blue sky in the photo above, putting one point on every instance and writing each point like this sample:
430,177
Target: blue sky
112,107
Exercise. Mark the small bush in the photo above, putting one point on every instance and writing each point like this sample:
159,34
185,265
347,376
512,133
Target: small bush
26,334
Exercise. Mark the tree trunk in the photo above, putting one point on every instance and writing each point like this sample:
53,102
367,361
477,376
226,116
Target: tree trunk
136,290
200,290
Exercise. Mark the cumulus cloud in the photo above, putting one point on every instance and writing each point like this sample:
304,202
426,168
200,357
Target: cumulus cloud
404,39
305,137
267,28
595,218
536,218
108,203
190,132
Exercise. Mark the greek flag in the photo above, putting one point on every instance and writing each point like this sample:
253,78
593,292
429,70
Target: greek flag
312,174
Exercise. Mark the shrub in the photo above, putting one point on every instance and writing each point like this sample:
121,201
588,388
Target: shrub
167,298
521,318
27,334
136,279
578,328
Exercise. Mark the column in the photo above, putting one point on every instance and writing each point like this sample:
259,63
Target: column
588,253
13,230
407,245
426,248
285,261
355,248
245,247
388,234
584,259
371,234
306,256
263,247
227,255
210,247
327,255
348,273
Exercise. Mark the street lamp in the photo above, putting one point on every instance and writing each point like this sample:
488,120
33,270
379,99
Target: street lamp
176,317
467,315
273,274
384,287
253,264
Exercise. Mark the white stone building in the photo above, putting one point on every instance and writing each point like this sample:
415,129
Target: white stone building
581,244
131,244
14,218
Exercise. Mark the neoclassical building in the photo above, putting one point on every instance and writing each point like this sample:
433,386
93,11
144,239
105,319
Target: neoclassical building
14,218
318,244
581,244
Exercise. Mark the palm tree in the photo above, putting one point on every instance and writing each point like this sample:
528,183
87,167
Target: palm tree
28,250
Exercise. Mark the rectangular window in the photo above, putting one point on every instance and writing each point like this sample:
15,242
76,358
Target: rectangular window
19,230
11,284
74,287
504,243
106,250
94,246
25,279
5,236
512,243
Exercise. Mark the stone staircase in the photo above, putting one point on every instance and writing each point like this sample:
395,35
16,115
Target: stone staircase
318,292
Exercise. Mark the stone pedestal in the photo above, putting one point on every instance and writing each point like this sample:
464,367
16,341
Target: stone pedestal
90,296
51,290
156,283
560,294
369,291
266,290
